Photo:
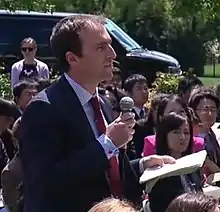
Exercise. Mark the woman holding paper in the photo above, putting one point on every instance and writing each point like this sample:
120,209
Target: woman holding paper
174,138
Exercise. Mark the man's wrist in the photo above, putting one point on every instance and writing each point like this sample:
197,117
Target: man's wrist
142,164
108,146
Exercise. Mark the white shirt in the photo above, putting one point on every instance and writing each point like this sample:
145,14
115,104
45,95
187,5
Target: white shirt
85,97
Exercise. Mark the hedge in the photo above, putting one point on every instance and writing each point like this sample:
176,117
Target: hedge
164,83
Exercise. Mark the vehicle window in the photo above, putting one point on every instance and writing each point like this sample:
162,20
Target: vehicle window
18,28
10,36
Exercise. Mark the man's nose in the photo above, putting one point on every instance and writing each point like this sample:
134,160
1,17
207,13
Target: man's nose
111,52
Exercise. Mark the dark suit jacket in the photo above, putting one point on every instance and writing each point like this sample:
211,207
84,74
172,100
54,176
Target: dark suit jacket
63,164
167,189
212,147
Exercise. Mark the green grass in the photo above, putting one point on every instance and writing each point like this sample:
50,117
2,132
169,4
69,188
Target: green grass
208,70
210,81
209,78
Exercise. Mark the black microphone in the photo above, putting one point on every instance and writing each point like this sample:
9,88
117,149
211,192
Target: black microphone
126,104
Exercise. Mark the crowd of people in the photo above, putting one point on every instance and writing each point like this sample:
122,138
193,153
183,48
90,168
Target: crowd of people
65,145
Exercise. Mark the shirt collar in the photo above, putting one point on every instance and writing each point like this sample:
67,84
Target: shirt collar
138,110
83,95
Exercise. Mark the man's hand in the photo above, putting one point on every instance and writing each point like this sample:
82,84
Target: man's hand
155,160
121,130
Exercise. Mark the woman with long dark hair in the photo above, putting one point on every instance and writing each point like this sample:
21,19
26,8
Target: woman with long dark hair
174,137
167,105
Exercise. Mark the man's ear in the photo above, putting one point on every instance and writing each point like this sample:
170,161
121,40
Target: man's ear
71,58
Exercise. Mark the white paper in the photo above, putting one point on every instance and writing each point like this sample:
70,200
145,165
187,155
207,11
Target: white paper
212,191
184,165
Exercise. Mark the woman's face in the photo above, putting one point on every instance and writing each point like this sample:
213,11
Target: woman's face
207,112
173,106
178,140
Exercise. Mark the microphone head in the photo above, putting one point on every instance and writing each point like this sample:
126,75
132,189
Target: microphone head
126,104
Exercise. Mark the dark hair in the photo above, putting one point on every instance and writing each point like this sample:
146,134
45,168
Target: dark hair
162,106
130,82
118,94
194,116
29,40
65,36
164,102
154,104
187,83
7,108
168,123
202,93
157,99
193,202
22,85
42,83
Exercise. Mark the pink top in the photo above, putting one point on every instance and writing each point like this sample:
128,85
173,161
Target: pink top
150,149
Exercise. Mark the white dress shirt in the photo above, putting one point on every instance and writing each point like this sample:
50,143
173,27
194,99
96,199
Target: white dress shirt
85,97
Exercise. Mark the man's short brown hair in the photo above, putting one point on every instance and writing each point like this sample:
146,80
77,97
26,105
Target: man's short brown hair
191,202
65,36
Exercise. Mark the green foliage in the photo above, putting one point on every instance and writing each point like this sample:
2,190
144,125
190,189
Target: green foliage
30,5
177,27
166,83
5,86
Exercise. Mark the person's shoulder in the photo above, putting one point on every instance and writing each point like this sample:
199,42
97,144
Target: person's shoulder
46,96
41,96
38,110
17,64
41,64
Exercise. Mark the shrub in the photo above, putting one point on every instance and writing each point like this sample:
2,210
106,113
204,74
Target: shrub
5,86
166,83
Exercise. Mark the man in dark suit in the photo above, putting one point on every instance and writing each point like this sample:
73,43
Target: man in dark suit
69,151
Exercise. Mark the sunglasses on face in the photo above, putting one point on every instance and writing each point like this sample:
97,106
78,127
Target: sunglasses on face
29,49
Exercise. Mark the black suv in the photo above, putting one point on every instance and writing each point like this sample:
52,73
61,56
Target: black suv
131,57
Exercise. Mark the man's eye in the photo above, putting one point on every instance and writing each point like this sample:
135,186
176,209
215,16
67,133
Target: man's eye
101,47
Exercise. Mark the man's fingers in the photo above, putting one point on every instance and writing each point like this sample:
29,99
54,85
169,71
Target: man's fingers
124,117
168,159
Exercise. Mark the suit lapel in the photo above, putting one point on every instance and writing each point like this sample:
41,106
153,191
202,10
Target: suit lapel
71,108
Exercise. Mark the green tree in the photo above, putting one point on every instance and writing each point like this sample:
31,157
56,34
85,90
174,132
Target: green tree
30,5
